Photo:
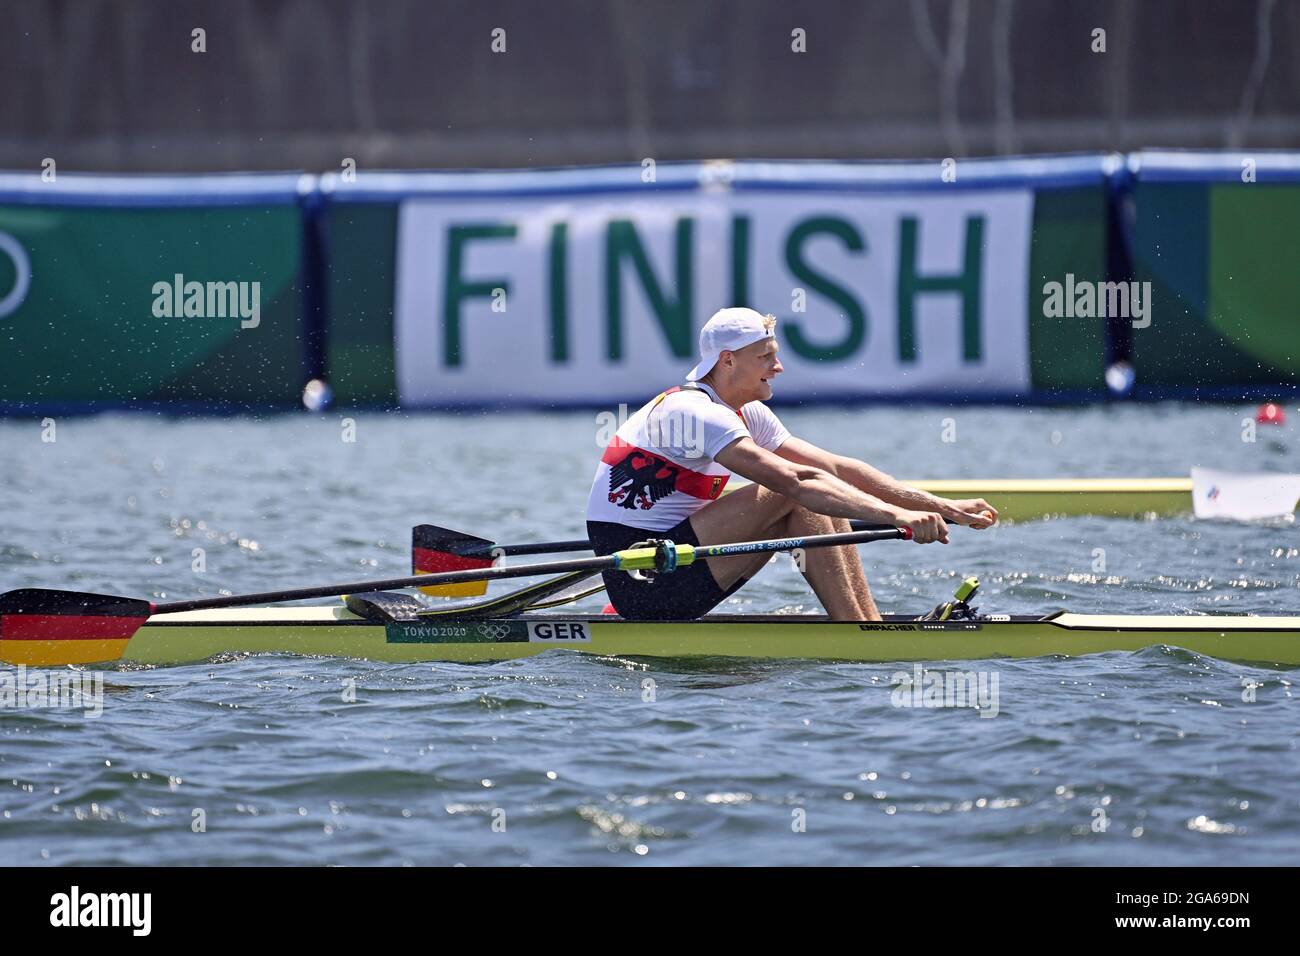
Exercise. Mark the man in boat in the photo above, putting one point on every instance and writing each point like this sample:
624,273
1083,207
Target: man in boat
663,473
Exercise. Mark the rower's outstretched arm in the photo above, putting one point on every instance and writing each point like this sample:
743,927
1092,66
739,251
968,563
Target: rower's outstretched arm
820,491
885,487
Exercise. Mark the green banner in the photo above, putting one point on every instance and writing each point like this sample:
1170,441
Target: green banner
1224,287
119,306
411,289
359,288
1069,238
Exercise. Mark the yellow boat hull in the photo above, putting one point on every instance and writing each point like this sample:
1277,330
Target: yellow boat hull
1035,499
1031,499
337,632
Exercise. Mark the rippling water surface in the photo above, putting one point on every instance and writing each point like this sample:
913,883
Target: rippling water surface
1158,756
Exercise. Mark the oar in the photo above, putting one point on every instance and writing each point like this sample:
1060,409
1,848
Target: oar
49,628
435,549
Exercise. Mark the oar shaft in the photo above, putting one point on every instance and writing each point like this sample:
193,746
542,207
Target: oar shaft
535,547
647,559
867,535
630,559
491,550
391,584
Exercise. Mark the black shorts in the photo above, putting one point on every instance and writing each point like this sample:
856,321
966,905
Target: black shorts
683,595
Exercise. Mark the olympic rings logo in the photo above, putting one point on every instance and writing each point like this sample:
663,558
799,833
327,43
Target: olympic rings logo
12,248
494,632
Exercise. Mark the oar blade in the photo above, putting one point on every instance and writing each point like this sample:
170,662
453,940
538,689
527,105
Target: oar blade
41,627
435,549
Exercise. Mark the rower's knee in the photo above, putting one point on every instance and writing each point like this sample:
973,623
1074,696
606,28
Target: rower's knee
800,520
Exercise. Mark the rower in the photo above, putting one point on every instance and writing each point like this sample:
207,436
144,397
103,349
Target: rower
663,473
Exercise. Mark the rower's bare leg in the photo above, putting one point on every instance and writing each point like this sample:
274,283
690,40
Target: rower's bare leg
755,512
835,574
747,514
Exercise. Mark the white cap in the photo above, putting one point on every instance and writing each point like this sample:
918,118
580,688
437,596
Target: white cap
728,331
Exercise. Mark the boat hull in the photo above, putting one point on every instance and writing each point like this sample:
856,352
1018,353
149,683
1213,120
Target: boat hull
1032,499
336,632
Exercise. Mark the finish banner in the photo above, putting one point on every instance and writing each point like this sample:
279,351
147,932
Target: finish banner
599,297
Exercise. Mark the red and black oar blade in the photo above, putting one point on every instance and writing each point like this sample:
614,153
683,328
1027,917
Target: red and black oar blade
47,628
435,549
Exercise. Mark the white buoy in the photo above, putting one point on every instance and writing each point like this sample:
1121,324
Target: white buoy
317,395
1120,378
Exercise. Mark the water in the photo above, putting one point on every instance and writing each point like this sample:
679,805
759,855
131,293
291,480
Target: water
1153,757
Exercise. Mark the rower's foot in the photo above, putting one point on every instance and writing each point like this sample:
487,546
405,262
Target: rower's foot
959,608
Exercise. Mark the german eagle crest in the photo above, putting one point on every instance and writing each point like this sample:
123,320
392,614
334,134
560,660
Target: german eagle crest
640,479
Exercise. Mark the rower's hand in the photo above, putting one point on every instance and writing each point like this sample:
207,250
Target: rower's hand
972,512
927,526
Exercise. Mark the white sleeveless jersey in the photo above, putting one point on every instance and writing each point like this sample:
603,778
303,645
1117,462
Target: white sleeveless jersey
658,469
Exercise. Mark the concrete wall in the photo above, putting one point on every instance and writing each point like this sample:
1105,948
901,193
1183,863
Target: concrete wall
100,85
